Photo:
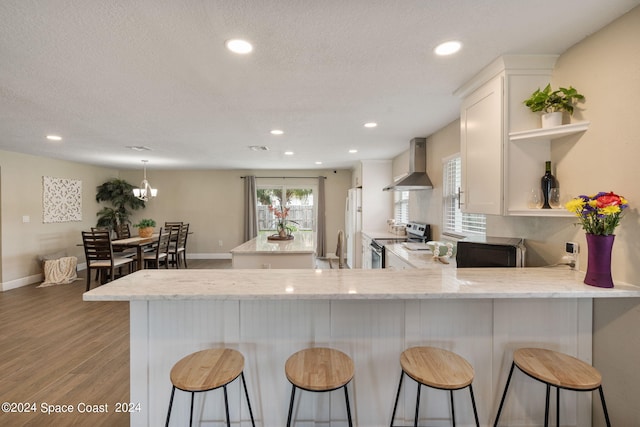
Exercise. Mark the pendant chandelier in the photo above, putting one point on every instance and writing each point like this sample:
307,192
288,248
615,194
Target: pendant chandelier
145,191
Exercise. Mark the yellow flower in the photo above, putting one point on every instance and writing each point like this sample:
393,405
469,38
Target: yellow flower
609,210
575,205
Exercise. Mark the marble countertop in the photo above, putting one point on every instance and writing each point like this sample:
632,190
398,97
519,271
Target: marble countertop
419,258
383,235
303,242
431,283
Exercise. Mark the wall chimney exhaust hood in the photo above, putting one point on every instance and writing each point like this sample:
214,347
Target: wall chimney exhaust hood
417,178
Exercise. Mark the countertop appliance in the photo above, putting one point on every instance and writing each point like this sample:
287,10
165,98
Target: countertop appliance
490,252
416,232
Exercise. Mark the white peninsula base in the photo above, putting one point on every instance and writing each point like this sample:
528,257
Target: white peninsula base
270,315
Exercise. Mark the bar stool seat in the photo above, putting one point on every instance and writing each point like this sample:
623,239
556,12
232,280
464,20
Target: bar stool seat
558,370
436,368
319,370
208,370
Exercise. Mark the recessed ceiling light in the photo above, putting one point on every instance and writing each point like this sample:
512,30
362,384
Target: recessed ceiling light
288,153
277,132
318,163
54,138
370,125
239,46
352,151
448,48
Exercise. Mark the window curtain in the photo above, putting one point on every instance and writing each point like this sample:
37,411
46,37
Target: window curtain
321,245
251,208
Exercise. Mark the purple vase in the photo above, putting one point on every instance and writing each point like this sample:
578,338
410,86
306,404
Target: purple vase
599,260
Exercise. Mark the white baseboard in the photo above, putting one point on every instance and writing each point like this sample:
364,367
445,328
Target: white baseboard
23,281
30,280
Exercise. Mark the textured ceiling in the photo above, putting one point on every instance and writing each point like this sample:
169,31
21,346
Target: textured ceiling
110,74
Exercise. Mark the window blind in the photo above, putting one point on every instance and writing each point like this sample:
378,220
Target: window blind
453,220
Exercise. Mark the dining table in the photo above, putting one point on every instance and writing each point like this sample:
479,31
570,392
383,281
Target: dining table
139,243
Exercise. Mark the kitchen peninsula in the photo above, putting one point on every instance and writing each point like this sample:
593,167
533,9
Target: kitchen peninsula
372,315
261,252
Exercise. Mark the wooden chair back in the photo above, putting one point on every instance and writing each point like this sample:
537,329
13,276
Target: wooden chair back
182,237
123,231
97,246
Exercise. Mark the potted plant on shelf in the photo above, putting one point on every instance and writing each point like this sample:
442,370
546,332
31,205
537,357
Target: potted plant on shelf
553,103
145,227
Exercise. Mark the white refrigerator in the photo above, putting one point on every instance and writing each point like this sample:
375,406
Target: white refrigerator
353,227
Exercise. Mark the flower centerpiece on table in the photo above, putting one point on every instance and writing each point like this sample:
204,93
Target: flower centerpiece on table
599,215
282,223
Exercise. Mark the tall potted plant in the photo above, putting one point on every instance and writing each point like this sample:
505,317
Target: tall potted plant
119,193
553,103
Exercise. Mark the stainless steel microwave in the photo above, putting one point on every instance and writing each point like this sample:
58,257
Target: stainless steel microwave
490,252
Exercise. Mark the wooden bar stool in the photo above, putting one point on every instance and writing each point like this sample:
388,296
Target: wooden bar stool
207,370
558,370
439,369
319,370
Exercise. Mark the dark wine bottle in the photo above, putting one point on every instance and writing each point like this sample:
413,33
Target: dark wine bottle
548,181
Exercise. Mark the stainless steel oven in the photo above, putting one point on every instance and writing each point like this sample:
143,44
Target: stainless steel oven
377,255
416,232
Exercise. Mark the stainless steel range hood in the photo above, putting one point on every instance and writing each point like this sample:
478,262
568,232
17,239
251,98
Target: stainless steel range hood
417,179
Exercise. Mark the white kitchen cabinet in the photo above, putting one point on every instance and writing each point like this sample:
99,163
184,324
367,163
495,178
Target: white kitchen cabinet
503,149
394,262
366,251
481,149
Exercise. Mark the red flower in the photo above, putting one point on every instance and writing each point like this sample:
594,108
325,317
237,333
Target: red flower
608,199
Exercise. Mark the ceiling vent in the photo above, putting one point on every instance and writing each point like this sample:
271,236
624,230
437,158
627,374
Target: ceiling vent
258,148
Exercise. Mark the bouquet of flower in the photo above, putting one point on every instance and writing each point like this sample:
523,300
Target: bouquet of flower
281,213
599,214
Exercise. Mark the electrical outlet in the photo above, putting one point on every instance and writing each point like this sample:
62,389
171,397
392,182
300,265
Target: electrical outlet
572,249
220,243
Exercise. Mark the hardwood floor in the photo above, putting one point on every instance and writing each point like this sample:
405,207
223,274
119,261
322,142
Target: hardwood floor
56,349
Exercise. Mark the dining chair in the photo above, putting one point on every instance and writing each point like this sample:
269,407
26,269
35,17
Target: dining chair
99,255
123,231
339,254
159,252
178,247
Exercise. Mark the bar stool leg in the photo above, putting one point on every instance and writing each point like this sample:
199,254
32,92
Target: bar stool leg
604,407
473,404
395,406
191,416
415,421
246,393
173,391
558,406
346,398
546,407
504,395
453,411
293,395
226,405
